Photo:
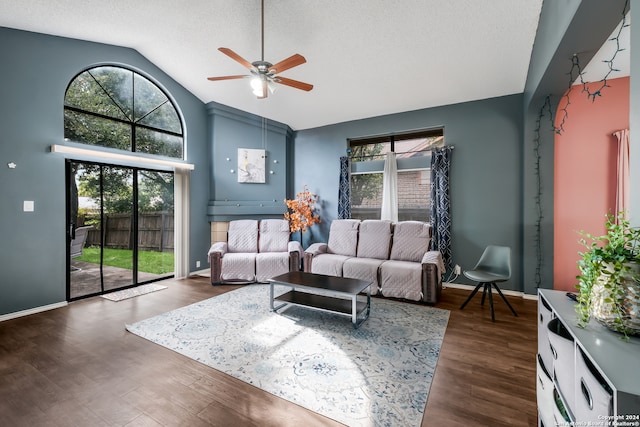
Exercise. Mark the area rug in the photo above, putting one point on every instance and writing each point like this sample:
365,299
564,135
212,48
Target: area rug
379,374
133,292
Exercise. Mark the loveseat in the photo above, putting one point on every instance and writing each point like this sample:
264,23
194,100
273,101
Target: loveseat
394,256
254,252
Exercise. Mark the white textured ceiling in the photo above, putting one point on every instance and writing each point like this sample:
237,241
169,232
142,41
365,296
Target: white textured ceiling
365,57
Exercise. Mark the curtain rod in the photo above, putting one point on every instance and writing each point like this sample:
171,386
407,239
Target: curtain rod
446,147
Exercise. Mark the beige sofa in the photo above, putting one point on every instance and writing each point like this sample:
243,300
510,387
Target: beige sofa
254,252
394,256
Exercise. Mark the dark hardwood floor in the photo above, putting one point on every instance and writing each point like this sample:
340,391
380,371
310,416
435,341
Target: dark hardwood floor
78,366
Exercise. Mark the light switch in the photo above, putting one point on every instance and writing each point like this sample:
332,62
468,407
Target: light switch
28,206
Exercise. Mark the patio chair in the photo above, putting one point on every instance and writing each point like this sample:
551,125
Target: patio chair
78,242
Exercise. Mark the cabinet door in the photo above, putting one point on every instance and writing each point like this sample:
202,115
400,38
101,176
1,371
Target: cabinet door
544,388
594,398
563,348
544,349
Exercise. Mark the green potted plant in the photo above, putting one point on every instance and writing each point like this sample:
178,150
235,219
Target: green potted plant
609,280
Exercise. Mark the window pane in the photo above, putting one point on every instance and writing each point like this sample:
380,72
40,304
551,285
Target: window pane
118,86
147,97
414,195
93,130
85,93
417,147
155,224
369,152
366,196
153,142
163,118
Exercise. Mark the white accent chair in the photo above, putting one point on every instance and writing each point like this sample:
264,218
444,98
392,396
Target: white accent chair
254,251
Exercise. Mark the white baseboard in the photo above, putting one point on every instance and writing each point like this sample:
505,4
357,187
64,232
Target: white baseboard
504,291
30,311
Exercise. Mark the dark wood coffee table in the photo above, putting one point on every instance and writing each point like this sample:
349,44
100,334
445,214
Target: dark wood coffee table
328,293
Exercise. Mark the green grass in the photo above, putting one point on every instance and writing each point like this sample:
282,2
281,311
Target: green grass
148,261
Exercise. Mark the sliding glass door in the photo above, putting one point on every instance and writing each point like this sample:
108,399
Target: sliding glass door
120,227
155,224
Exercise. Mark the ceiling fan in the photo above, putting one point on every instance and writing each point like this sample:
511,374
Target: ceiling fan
263,73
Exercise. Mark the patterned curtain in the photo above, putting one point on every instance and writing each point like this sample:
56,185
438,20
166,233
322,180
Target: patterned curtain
344,190
441,203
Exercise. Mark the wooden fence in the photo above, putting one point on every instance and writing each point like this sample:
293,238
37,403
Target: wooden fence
155,231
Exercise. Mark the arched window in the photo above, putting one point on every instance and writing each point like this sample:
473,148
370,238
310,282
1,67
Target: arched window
118,108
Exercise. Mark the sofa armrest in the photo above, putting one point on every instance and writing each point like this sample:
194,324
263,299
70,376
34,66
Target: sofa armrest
216,252
434,257
317,248
313,250
294,245
220,247
295,255
432,271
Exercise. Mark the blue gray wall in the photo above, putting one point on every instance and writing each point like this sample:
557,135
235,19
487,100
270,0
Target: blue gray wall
486,171
230,130
35,70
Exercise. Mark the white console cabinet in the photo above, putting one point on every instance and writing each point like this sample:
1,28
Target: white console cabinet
585,376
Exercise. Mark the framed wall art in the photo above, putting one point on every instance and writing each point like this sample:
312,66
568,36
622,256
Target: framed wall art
251,165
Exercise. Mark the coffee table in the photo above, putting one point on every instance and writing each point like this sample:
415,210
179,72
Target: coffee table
328,293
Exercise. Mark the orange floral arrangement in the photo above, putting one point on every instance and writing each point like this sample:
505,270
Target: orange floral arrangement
301,211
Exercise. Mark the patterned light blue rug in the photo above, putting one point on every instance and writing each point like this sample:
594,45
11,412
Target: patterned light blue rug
379,374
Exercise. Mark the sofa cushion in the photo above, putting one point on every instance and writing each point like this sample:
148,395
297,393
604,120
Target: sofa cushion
329,264
363,269
410,241
274,235
374,239
343,237
401,279
271,264
239,266
243,236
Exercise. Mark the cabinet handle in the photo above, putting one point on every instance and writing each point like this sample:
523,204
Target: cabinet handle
586,393
554,353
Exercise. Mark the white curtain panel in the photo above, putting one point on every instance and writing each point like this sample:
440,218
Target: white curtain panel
622,185
389,209
181,222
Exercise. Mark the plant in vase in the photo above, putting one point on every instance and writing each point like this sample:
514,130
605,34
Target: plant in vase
301,211
609,280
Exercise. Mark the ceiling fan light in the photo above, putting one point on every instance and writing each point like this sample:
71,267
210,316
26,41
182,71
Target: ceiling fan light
256,85
271,86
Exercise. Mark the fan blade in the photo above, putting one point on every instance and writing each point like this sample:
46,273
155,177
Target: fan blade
285,64
213,79
293,83
231,54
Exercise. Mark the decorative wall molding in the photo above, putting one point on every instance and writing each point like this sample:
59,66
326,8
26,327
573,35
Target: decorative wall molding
214,109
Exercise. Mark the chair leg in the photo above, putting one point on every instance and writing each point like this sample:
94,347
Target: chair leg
475,291
493,317
484,293
505,300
